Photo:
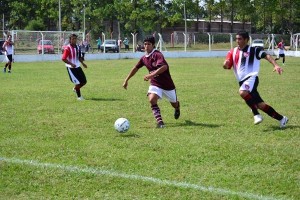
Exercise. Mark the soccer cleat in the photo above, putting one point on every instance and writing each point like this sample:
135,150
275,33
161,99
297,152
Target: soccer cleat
283,122
258,119
160,125
9,71
4,70
80,98
177,112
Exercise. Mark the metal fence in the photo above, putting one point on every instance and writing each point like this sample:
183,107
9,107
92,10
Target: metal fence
41,42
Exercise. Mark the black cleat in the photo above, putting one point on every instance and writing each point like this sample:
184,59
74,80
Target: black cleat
177,112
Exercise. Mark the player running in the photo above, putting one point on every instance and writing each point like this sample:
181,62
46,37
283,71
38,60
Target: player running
72,57
245,61
161,83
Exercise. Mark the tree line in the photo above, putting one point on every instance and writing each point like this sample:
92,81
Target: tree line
266,16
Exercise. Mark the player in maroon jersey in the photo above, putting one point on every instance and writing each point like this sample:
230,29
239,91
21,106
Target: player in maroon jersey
161,83
8,49
245,61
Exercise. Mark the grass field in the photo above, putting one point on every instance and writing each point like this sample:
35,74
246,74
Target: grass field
55,147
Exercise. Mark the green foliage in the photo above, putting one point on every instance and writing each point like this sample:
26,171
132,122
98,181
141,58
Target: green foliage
267,16
35,25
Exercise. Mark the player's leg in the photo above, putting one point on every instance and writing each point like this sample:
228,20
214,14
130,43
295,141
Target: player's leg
172,97
77,76
283,58
9,63
272,113
247,87
155,93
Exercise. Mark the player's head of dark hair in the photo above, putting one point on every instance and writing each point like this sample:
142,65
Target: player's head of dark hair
72,36
243,34
150,39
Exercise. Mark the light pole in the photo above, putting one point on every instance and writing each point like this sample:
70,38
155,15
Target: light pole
83,21
59,16
185,28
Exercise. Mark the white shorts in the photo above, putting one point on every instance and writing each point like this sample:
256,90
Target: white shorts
248,84
169,94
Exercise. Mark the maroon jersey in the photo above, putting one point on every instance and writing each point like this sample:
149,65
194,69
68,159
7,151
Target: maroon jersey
153,61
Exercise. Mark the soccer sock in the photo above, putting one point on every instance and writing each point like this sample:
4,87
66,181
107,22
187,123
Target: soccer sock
5,65
9,67
271,112
250,102
283,60
77,89
156,113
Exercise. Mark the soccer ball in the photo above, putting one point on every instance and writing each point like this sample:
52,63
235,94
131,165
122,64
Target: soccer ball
122,125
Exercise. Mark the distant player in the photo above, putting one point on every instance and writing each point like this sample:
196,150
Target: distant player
281,48
161,83
8,50
245,61
72,57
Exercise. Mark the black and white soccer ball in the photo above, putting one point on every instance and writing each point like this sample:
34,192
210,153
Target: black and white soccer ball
122,125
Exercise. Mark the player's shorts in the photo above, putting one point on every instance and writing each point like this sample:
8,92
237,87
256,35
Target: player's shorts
281,55
9,57
77,75
250,84
169,94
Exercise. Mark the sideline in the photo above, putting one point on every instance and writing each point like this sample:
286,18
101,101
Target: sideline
97,171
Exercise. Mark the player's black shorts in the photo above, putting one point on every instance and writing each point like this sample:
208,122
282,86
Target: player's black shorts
9,57
281,55
77,75
254,93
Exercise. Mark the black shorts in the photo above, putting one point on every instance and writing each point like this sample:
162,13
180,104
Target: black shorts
77,75
254,93
9,57
281,55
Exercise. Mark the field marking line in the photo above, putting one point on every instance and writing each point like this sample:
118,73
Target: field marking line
158,181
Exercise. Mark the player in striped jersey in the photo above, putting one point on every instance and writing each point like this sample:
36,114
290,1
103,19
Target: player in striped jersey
72,57
245,61
281,49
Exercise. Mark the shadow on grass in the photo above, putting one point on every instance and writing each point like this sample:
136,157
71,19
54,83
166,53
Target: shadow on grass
191,123
277,128
129,135
103,99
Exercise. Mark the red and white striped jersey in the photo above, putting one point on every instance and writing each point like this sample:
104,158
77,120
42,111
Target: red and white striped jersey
246,62
72,54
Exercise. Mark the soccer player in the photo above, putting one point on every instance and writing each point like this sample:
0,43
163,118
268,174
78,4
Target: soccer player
72,57
161,83
281,48
245,61
8,48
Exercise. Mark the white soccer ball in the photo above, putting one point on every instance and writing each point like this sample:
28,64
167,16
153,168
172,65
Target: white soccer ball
122,125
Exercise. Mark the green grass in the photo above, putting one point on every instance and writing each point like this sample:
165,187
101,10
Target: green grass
212,152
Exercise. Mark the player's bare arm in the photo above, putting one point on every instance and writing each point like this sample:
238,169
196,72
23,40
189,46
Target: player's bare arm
226,64
68,62
83,64
155,73
131,74
277,68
